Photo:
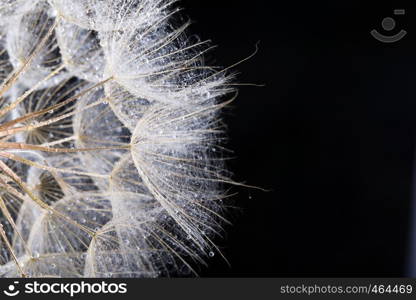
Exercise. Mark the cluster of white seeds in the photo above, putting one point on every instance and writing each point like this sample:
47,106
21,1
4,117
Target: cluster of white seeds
111,157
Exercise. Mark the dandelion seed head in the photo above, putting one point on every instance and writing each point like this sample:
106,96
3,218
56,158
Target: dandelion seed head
111,141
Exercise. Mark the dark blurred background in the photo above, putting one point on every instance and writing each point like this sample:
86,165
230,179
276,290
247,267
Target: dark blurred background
332,135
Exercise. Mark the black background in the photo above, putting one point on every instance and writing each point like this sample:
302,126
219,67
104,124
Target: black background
332,134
